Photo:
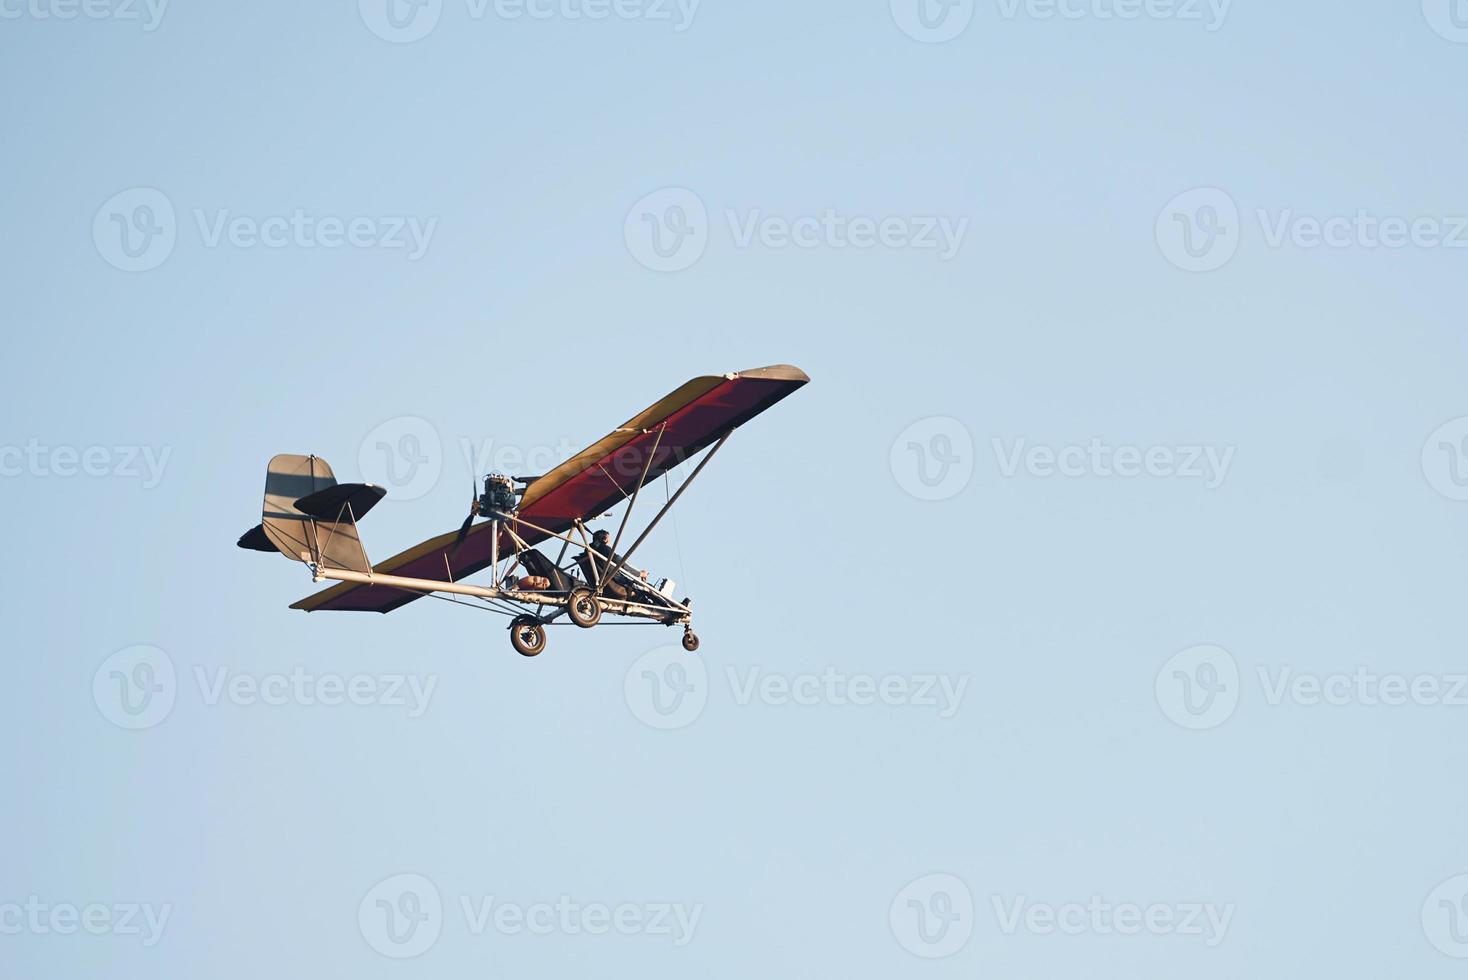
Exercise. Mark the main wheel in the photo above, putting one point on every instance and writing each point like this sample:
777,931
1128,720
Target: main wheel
527,636
690,641
583,607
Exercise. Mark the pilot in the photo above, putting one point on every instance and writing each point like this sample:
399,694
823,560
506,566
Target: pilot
601,543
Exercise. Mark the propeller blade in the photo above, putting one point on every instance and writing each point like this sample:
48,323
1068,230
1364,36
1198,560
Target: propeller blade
464,528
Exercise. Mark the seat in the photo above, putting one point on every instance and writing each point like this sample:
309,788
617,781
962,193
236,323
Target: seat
538,564
616,590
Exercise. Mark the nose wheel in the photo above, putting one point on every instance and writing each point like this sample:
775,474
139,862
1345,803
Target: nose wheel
527,636
690,641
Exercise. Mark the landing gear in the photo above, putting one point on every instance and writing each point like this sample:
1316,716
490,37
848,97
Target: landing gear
527,636
690,640
584,608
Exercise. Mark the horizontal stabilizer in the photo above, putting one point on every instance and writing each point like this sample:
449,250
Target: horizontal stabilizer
349,501
255,540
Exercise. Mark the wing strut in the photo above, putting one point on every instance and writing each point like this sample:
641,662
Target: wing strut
610,571
617,567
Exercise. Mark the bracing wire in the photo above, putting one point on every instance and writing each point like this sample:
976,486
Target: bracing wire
677,540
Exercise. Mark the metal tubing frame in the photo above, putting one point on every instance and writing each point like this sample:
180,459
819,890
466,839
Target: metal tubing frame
318,550
494,549
591,553
641,610
559,558
586,548
617,566
403,582
494,596
602,581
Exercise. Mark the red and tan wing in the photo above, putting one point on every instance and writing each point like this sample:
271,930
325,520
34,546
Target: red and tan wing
588,484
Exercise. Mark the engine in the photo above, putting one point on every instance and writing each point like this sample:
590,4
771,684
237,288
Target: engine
499,495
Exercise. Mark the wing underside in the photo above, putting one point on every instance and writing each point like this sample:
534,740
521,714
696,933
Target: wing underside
674,429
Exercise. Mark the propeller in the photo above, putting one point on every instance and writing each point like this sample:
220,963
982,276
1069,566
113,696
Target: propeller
468,521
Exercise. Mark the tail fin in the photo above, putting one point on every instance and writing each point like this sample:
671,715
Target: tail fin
310,517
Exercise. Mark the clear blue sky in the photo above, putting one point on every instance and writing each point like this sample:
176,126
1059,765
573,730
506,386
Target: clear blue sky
1018,263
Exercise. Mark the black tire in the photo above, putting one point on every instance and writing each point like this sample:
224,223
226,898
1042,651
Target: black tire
527,636
690,641
583,607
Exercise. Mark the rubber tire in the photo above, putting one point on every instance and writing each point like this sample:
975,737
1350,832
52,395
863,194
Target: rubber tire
579,595
536,646
690,641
